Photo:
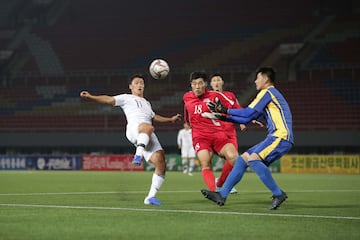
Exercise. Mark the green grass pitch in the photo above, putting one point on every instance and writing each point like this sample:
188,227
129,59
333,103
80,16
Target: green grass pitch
109,205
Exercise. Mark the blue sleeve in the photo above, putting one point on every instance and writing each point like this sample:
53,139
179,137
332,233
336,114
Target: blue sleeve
260,117
243,112
244,115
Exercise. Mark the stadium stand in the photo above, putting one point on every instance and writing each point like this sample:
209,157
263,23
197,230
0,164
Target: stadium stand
97,52
319,105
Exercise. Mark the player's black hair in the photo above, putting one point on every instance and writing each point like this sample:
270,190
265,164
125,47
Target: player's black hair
199,74
269,72
137,75
215,75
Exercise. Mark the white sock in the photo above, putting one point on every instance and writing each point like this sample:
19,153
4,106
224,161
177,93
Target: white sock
191,165
184,161
141,142
157,181
184,164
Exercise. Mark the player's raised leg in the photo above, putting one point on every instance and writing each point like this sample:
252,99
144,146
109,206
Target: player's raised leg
145,131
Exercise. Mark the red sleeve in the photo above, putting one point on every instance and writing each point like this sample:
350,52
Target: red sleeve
186,115
229,100
236,104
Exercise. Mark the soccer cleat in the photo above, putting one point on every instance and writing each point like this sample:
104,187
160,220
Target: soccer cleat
137,160
213,196
190,174
152,201
218,189
277,200
233,191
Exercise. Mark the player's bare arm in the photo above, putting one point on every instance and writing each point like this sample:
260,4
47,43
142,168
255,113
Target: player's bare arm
158,118
104,99
260,124
242,127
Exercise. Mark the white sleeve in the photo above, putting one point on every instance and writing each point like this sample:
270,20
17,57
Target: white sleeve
120,99
179,137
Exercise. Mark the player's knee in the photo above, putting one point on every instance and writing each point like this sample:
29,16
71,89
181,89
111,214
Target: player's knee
231,157
253,157
158,159
245,156
205,164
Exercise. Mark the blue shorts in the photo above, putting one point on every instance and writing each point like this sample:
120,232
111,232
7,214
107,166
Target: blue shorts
271,149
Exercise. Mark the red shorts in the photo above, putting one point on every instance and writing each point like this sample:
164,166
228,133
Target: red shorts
233,139
211,143
231,131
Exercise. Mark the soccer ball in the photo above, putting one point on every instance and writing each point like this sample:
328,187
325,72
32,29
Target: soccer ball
159,69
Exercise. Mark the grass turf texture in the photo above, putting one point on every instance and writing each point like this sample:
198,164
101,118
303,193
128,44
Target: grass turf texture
109,205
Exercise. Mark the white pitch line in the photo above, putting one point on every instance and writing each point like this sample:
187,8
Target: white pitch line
86,193
177,211
59,193
178,191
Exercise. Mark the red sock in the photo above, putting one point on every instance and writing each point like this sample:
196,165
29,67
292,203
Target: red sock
209,178
224,173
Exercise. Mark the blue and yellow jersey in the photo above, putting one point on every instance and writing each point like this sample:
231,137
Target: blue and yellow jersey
273,106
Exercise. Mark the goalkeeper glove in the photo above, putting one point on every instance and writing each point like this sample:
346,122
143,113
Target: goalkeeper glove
217,107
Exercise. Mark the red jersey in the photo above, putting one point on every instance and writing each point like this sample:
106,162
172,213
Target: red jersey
204,128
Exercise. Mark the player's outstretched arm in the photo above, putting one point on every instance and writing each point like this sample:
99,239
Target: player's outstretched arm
229,117
159,118
217,107
104,99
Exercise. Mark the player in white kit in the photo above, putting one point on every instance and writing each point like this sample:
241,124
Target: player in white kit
185,144
139,129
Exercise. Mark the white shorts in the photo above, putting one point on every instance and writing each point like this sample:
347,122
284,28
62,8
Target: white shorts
153,145
188,152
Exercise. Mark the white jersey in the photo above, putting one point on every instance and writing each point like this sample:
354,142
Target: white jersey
184,139
138,110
